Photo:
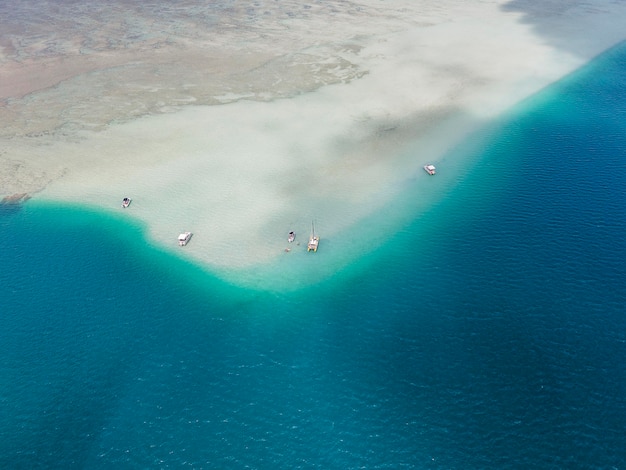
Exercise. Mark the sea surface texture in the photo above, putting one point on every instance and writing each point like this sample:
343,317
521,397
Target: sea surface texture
489,333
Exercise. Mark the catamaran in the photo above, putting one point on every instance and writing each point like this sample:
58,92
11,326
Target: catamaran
314,240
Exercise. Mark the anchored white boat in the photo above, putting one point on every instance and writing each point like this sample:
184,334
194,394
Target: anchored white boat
126,202
430,169
184,238
292,236
314,240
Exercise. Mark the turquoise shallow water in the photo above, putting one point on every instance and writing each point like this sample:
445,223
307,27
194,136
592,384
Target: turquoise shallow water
488,333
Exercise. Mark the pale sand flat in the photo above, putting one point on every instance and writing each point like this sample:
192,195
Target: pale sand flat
388,88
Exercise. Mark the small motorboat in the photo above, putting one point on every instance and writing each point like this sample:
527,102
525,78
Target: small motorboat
430,169
292,237
126,202
184,238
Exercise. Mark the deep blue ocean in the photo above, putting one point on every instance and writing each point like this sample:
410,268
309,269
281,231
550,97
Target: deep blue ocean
489,333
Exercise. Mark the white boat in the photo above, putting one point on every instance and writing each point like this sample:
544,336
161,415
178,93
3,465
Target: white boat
314,240
430,169
183,238
292,236
126,202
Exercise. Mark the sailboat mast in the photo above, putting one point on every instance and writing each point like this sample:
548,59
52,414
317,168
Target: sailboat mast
313,241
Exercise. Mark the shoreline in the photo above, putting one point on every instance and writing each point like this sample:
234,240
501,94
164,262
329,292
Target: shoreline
336,132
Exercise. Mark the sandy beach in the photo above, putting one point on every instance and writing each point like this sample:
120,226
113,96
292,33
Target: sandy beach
240,124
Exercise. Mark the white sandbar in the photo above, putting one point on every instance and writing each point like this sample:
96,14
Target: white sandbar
261,123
